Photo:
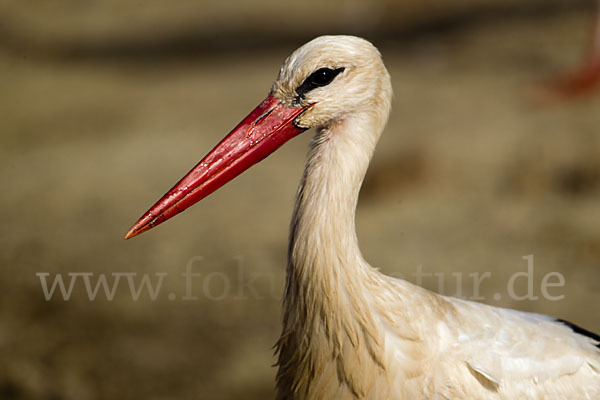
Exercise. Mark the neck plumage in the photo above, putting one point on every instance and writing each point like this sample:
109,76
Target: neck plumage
324,254
326,312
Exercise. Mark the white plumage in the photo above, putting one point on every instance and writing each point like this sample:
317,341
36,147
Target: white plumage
350,332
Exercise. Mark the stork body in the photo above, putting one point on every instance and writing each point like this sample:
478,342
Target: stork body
350,332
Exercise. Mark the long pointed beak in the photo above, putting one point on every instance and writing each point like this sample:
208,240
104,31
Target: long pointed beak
263,131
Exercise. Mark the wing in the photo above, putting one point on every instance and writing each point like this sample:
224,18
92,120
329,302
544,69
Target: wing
523,355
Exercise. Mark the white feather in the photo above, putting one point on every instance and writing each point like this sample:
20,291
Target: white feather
350,332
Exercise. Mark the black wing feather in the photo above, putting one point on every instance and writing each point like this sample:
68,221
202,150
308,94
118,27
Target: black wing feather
581,331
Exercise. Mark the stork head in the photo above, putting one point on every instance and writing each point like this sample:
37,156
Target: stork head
322,82
334,76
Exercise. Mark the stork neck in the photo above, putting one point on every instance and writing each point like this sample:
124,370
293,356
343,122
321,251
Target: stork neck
326,298
325,264
323,234
329,286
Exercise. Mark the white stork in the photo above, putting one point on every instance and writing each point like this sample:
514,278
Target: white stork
350,332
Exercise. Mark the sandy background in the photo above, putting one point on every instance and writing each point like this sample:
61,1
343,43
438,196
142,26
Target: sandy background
104,105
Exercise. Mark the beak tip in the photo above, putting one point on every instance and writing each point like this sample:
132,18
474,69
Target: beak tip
136,229
130,233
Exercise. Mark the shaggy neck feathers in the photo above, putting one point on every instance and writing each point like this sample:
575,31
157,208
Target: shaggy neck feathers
329,330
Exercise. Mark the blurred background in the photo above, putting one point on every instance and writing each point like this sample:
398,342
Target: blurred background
104,105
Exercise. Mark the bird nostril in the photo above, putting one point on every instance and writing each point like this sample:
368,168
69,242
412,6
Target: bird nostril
263,116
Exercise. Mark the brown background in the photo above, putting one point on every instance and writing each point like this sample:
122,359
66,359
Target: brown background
104,105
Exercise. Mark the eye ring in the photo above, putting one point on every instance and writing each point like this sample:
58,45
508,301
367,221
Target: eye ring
319,78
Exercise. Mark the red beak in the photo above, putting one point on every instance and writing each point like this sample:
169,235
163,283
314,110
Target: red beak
263,131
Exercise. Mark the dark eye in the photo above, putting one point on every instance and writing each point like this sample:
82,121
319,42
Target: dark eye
322,77
319,78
